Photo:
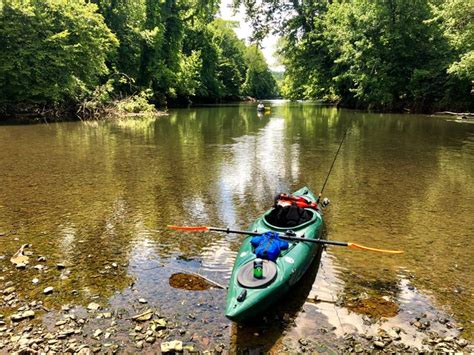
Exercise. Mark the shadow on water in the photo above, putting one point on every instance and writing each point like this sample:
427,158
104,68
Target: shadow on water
263,332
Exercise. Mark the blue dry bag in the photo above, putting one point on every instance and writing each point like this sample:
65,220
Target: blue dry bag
268,245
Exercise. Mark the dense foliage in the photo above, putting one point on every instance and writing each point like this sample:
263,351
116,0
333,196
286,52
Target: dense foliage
51,51
62,53
380,54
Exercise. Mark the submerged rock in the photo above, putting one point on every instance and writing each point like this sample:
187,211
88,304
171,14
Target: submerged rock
143,317
48,290
23,315
169,346
93,306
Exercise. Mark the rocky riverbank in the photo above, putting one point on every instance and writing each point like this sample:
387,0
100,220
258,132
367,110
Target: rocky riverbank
96,329
57,319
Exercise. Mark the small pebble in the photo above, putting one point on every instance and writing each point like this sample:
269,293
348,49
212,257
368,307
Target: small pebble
48,290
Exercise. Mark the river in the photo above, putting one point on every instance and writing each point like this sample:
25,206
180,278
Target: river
96,197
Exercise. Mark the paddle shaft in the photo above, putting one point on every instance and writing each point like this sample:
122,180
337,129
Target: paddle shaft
281,235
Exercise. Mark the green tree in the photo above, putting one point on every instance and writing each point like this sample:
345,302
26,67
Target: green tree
52,51
457,22
382,54
232,67
259,81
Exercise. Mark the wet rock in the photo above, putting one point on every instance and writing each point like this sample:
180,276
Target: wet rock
142,300
83,350
20,266
66,333
358,348
303,342
169,346
60,266
379,344
9,290
139,344
23,315
393,334
35,281
461,342
93,306
48,290
114,265
143,317
150,339
39,267
189,348
98,333
96,348
159,324
41,259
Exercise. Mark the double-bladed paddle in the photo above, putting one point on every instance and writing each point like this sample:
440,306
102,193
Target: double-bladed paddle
285,236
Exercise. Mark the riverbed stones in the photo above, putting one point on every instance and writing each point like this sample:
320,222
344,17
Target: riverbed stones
35,281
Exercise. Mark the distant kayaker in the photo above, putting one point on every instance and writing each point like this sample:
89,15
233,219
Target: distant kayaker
260,106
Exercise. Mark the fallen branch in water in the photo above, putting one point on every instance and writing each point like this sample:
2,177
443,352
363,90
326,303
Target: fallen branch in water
461,114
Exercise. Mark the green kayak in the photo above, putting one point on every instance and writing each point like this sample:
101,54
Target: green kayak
248,297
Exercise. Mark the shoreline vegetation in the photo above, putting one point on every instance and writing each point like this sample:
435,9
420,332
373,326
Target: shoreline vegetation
91,59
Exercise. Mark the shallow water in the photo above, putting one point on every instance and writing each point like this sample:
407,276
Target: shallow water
96,196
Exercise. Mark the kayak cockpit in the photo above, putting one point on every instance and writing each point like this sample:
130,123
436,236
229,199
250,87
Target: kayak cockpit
289,218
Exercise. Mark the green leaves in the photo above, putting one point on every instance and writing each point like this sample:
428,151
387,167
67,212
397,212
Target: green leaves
54,51
383,55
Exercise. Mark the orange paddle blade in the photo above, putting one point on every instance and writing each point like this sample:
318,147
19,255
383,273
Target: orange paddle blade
362,247
189,229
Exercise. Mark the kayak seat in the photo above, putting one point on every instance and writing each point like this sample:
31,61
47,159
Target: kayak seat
288,216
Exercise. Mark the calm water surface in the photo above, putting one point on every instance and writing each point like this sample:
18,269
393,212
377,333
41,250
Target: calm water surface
95,193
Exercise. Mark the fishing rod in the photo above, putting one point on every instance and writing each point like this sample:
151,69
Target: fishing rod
332,165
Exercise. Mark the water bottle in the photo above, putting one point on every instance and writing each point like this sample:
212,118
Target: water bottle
258,268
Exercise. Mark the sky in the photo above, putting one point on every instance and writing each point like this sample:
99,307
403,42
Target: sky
244,31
